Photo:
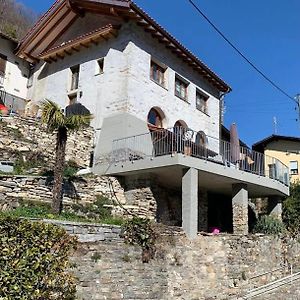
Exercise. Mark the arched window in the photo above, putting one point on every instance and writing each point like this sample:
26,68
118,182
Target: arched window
155,118
179,127
201,139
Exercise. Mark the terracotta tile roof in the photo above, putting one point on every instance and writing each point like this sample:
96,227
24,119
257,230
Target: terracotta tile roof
79,39
173,43
178,44
41,19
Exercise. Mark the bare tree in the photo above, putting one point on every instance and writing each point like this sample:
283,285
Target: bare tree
15,18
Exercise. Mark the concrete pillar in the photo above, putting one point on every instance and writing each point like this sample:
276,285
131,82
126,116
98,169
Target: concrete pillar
275,207
203,210
240,208
190,202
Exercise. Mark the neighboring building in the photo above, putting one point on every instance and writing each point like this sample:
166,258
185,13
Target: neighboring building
14,73
284,148
157,111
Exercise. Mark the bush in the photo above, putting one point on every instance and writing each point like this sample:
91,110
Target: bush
138,231
291,210
269,225
33,261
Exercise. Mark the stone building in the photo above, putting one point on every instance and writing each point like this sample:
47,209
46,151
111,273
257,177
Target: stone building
157,113
14,74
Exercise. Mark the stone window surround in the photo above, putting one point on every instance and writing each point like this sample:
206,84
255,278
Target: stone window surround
164,72
99,66
204,99
74,77
184,83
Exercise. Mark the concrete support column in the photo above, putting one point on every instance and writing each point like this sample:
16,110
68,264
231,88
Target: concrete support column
190,202
275,207
202,210
240,208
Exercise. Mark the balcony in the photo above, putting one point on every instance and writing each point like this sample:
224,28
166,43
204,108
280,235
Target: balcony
184,161
178,141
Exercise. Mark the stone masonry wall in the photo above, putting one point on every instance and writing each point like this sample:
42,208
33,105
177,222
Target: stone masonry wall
29,135
210,267
39,188
141,196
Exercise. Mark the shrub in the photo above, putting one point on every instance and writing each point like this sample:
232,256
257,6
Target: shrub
269,225
33,261
291,210
138,231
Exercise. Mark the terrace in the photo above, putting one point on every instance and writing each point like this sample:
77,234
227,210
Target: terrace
176,141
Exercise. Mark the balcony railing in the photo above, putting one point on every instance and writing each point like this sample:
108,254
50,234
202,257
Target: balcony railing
188,142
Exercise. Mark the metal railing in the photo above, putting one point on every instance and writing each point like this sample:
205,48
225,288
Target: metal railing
190,143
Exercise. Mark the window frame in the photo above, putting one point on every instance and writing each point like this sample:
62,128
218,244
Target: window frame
183,83
3,63
75,71
99,68
163,73
294,171
203,101
158,117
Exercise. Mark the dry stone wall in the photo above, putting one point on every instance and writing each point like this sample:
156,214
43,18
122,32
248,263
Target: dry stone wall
210,267
25,135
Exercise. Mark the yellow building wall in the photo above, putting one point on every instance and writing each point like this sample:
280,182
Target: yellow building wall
286,157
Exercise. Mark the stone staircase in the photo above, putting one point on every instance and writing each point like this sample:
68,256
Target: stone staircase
271,287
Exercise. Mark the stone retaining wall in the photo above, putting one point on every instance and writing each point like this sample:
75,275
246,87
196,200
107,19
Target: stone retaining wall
140,196
25,135
210,267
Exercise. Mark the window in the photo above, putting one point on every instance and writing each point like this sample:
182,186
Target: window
157,73
30,77
181,88
75,77
72,99
3,60
154,118
201,102
294,167
100,66
201,139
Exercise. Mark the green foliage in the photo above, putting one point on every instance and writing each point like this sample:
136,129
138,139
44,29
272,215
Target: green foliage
139,231
269,225
34,260
33,160
71,168
97,209
291,210
39,210
96,256
54,118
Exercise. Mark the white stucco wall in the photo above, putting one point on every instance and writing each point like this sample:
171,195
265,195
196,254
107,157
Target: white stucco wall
17,70
125,85
144,93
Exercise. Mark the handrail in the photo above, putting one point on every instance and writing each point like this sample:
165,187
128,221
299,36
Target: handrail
188,142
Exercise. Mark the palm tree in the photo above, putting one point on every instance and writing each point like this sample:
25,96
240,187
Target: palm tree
60,124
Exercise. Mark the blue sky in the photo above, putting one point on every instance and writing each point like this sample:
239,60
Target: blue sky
267,34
